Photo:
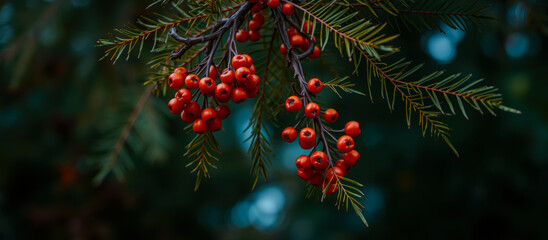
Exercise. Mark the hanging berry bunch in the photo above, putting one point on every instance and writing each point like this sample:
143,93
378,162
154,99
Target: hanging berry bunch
196,54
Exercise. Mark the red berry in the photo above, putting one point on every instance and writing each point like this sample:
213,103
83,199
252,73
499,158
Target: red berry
288,9
273,3
175,106
176,80
317,179
209,114
199,126
183,95
332,188
342,165
228,76
306,45
222,111
249,60
307,135
291,32
182,71
351,158
319,160
289,134
215,125
254,35
293,104
303,163
297,41
306,145
312,110
242,74
187,117
283,50
352,129
252,69
315,54
213,74
253,82
222,92
258,17
192,81
330,177
193,109
239,61
254,25
207,86
307,27
242,36
331,115
345,144
239,95
306,174
315,85
257,8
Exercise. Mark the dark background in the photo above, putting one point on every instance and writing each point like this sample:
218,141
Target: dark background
60,109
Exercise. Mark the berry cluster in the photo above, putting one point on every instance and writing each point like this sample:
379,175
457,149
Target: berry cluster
237,84
319,167
300,42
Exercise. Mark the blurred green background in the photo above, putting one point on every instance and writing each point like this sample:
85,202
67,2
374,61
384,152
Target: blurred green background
61,111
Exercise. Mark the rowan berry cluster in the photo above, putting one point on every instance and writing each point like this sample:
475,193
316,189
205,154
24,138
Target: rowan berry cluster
236,83
319,167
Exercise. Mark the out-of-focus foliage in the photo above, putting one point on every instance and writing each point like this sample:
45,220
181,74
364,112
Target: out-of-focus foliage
61,112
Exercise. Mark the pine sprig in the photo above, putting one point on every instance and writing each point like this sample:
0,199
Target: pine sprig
428,14
202,149
343,85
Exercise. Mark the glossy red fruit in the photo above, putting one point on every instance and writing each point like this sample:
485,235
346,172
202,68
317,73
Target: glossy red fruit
306,45
297,41
187,117
228,76
315,53
242,36
238,95
307,135
258,17
351,158
254,35
213,74
352,129
293,104
242,74
332,188
222,111
303,163
319,160
222,92
306,174
273,3
306,145
342,165
192,81
207,86
215,125
253,81
182,71
288,9
252,69
257,8
193,109
291,32
337,170
307,27
183,96
289,134
239,61
176,80
283,50
312,110
317,179
330,115
249,60
345,144
315,85
209,114
175,106
199,126
254,25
